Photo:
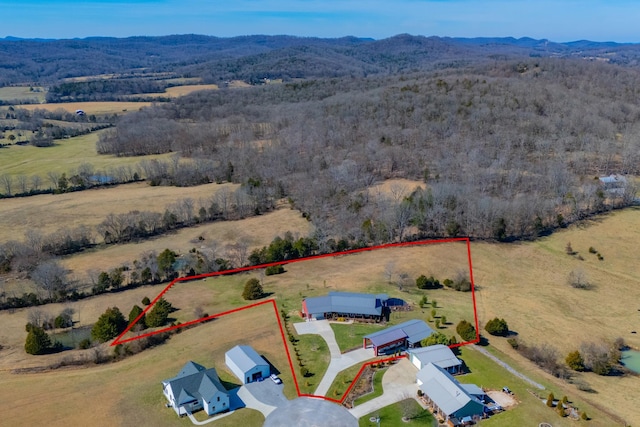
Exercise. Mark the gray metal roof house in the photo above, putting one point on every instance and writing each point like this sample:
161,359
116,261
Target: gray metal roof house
404,335
246,364
449,398
196,388
438,354
345,304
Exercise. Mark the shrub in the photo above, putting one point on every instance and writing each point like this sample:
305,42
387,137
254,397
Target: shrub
592,250
423,301
584,416
146,301
466,330
420,393
304,371
252,290
497,327
513,342
84,344
274,269
424,282
574,361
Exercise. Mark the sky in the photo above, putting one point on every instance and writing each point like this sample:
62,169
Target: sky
556,20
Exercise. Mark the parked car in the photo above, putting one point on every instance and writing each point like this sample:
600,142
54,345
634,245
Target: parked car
506,390
275,379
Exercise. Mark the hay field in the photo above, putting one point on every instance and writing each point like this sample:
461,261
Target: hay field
22,93
48,213
255,231
176,91
526,284
64,157
91,107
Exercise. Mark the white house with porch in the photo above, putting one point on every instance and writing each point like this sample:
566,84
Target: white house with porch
196,388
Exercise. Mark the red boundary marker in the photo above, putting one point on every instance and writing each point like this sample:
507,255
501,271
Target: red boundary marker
121,340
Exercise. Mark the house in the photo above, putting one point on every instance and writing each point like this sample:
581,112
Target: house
613,184
346,304
196,388
448,398
398,337
440,355
246,364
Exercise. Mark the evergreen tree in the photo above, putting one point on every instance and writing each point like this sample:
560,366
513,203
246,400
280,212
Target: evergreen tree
109,325
134,313
159,313
37,342
252,290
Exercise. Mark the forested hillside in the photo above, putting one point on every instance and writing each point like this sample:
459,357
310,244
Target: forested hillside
253,58
508,149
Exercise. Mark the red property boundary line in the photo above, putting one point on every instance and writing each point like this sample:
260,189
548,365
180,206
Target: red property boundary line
121,340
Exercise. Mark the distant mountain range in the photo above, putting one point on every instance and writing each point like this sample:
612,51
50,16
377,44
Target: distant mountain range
250,58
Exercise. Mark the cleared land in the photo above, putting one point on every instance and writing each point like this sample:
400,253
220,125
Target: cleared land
22,93
48,212
98,107
176,91
64,157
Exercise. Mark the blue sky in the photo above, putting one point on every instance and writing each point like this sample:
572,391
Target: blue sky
557,20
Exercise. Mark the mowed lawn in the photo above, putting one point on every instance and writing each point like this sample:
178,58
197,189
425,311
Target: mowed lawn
64,157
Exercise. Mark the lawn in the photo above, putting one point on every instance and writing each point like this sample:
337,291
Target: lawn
342,382
314,355
350,336
392,415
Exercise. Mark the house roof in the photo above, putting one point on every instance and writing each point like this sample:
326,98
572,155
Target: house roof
414,330
473,390
245,357
444,390
438,354
613,179
346,302
387,336
194,382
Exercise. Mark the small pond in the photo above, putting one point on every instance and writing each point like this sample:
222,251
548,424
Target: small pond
71,337
631,359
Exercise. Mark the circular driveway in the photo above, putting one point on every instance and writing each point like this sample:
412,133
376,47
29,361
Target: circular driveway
310,412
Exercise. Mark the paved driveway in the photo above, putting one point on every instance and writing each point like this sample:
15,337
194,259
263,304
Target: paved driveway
264,396
339,362
398,383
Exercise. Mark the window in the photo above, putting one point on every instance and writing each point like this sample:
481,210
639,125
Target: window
218,398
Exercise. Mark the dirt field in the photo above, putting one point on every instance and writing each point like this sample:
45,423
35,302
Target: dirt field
48,212
503,399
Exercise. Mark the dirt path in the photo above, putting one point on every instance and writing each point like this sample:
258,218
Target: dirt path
507,367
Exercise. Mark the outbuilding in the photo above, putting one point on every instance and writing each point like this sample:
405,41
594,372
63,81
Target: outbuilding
438,354
398,337
246,364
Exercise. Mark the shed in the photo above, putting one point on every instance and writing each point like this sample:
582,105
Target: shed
246,364
405,335
438,354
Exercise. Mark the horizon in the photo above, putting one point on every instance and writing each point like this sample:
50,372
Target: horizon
560,22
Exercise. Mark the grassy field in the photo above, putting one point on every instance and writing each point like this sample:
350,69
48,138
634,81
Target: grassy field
22,93
392,416
176,91
64,157
48,212
91,107
129,392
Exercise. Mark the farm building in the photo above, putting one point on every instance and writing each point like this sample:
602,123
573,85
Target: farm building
246,364
346,304
447,397
614,184
398,337
440,355
196,388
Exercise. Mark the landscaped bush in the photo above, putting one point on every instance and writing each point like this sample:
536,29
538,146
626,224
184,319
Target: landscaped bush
497,327
252,290
274,269
424,282
466,330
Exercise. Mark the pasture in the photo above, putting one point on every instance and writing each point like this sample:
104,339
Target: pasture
176,91
64,157
91,107
23,93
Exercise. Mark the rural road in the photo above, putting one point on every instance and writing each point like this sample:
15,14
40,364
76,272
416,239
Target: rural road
506,366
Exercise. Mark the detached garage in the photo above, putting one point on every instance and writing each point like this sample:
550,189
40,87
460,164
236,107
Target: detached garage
246,364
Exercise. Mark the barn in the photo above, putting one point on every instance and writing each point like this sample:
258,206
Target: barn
347,305
398,337
246,364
